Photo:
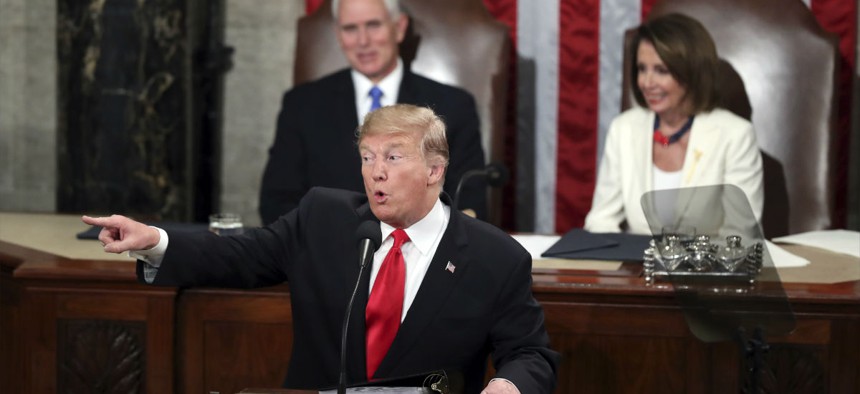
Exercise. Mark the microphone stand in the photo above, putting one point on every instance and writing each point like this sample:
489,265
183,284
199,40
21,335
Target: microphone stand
341,384
366,254
463,179
495,174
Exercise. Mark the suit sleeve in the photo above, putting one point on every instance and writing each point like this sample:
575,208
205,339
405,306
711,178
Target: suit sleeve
744,168
285,176
521,350
259,257
607,205
467,153
204,259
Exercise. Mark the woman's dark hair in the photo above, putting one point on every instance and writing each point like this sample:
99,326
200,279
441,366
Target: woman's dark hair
688,51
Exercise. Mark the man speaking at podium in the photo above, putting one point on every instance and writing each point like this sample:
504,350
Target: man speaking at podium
444,290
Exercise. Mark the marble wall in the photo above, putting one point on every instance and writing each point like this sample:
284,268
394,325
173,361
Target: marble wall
263,34
28,109
129,96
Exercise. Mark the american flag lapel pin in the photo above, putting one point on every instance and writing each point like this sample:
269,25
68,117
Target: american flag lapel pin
450,267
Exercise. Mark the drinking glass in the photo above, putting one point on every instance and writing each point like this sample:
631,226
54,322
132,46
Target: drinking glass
225,223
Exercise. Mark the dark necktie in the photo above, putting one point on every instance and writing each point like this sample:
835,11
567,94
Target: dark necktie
375,94
385,305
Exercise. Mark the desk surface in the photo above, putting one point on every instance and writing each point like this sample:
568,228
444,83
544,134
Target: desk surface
55,234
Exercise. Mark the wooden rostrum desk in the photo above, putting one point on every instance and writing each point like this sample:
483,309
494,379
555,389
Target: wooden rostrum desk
80,323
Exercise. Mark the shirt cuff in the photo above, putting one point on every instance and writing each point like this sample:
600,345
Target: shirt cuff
154,255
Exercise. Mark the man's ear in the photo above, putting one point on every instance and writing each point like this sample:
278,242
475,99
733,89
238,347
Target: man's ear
401,24
437,172
338,35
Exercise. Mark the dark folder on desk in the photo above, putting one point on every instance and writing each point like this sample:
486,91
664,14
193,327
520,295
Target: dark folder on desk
583,245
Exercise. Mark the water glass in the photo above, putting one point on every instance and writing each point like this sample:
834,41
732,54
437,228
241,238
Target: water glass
225,224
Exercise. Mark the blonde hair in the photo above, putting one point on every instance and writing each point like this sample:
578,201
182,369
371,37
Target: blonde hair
419,122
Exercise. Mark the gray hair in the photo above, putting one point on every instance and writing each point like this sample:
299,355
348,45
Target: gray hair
393,7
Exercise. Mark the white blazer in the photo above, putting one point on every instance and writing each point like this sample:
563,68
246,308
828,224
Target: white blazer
722,149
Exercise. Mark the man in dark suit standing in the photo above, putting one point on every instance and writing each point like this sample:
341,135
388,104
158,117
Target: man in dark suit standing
445,290
314,142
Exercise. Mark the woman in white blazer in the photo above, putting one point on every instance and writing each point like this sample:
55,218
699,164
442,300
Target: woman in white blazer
675,139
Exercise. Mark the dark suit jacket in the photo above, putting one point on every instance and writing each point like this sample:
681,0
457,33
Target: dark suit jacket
315,141
485,307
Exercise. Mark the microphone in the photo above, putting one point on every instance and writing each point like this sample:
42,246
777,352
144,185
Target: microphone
496,175
369,237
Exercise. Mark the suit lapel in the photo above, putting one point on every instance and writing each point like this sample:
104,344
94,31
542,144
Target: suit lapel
695,161
408,93
701,138
346,114
434,290
635,158
644,157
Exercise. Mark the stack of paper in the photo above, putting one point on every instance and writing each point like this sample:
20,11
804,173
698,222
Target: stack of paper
839,241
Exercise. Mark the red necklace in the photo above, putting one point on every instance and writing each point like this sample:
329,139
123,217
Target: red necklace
666,141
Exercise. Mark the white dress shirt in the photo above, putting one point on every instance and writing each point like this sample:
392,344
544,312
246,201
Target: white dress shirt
424,237
390,86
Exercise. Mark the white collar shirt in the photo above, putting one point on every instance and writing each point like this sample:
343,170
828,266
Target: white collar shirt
424,238
390,86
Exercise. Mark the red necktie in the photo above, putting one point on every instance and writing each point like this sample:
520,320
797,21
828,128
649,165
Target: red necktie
385,305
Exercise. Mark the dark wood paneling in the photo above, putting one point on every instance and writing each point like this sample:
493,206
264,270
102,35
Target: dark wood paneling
82,326
616,334
100,356
230,340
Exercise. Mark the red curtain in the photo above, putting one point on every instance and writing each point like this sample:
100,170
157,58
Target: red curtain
578,108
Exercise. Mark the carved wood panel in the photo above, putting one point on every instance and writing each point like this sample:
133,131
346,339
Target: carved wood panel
101,356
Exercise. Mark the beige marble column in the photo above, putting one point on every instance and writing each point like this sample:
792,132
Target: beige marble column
263,34
28,110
